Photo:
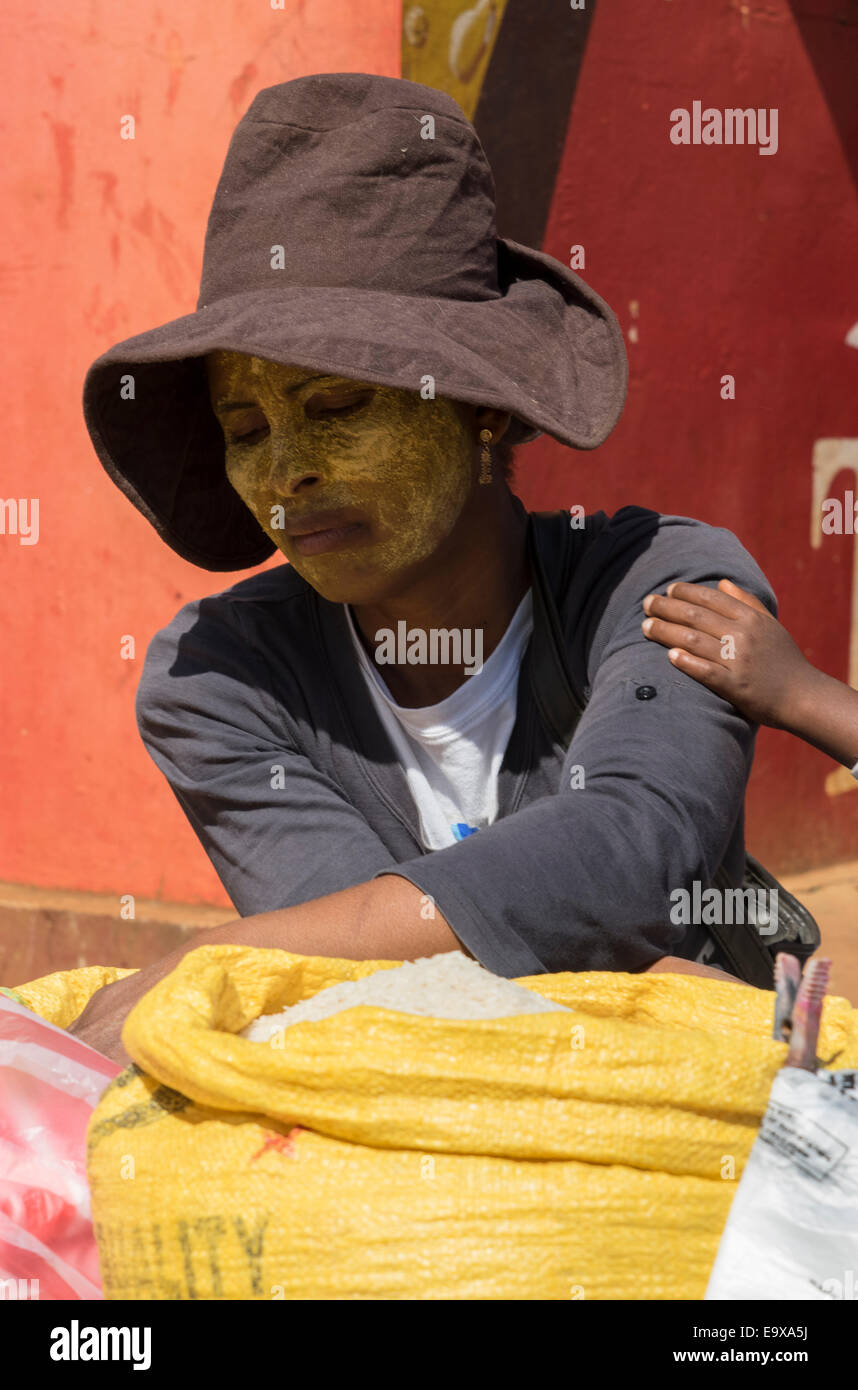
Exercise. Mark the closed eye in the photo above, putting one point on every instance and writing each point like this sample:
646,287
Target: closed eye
250,437
319,406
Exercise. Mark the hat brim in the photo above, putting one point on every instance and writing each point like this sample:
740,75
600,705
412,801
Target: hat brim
548,350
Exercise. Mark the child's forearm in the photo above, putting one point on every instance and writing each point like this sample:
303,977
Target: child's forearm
824,712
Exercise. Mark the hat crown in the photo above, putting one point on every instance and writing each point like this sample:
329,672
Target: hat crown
353,180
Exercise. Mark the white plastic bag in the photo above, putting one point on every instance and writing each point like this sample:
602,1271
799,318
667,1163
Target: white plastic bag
792,1232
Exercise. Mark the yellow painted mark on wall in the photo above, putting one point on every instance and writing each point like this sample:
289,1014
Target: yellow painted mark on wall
830,457
448,44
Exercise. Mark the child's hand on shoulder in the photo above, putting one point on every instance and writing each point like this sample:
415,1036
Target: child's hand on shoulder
728,641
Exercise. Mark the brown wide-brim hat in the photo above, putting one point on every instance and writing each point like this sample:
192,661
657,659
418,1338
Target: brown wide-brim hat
353,232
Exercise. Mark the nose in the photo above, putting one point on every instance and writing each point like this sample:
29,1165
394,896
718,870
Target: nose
288,485
291,471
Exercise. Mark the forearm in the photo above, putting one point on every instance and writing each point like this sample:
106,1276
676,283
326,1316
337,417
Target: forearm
385,919
824,712
379,920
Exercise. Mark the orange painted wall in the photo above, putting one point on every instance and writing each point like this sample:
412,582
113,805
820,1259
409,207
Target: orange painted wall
106,240
730,266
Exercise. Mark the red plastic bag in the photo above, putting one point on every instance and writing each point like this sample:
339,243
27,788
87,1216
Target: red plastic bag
49,1085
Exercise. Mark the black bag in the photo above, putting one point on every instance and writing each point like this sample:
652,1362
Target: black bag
750,955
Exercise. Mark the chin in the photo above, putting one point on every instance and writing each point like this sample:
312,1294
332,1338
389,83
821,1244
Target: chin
340,583
358,589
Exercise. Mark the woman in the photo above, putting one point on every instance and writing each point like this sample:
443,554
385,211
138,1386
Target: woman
371,742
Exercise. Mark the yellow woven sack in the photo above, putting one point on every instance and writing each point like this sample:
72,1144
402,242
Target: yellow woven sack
375,1154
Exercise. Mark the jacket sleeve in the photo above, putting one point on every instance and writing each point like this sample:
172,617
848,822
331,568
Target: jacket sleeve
648,799
277,830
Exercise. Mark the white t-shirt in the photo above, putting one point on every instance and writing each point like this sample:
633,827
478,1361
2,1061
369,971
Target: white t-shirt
452,752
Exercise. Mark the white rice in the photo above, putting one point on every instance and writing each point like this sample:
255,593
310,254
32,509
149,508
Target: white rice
446,986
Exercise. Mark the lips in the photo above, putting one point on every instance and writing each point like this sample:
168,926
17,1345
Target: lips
313,522
322,531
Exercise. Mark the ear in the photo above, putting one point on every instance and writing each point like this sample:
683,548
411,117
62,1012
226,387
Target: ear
487,418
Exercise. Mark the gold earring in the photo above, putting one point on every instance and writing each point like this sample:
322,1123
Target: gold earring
486,457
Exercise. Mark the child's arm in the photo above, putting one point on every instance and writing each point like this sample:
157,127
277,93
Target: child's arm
761,671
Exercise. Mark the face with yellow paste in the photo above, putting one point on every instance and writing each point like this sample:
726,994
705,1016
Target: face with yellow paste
358,485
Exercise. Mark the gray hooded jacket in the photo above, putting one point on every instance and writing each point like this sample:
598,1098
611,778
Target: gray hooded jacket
253,706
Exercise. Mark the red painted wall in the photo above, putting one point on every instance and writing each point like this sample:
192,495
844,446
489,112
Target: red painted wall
737,263
740,263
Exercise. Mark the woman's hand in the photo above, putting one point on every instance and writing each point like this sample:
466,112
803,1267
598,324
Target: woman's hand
100,1024
728,641
675,965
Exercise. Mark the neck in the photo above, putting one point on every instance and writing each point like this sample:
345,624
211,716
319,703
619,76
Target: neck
474,581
